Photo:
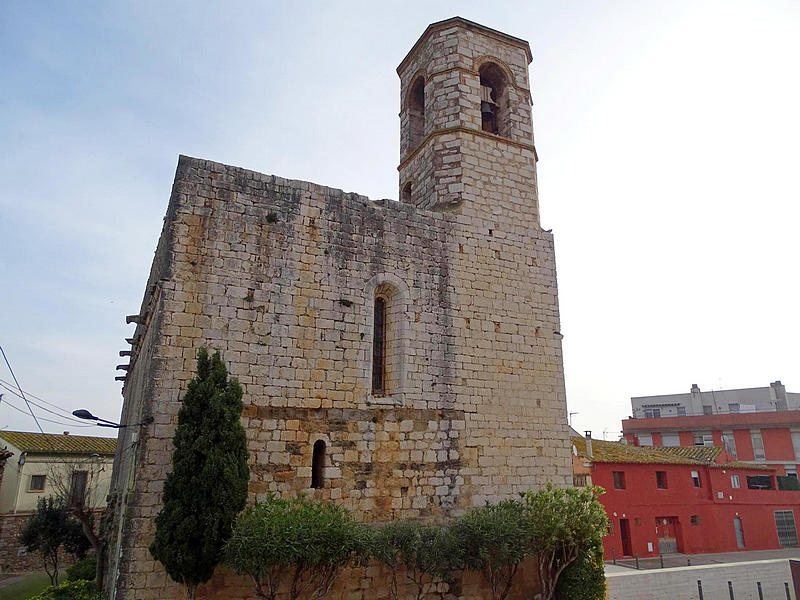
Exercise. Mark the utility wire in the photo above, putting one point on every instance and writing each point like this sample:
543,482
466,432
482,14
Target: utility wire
63,414
24,412
39,398
39,425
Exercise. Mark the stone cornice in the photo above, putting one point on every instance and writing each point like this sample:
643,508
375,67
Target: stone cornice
461,129
467,24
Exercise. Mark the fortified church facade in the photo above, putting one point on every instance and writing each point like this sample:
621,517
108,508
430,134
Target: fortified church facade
402,359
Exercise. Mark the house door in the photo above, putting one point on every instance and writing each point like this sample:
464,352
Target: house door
666,533
737,525
625,532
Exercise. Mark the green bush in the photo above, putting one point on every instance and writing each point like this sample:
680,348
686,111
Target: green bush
423,552
492,539
584,579
83,569
298,542
71,590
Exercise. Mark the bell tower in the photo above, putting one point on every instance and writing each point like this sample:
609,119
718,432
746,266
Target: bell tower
466,138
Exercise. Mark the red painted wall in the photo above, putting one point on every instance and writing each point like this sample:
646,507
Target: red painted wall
778,444
687,438
744,444
641,502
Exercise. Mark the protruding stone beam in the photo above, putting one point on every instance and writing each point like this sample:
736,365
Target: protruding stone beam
125,352
123,367
120,378
133,319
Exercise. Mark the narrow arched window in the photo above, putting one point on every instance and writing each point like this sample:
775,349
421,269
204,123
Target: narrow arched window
494,99
416,113
379,347
318,465
407,194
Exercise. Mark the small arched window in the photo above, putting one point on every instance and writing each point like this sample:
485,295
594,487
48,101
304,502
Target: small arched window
379,347
318,465
494,99
416,113
407,193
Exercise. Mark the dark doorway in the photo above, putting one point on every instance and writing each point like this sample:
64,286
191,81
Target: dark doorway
737,526
625,532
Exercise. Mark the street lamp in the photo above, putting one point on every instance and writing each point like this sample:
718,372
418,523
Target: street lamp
82,413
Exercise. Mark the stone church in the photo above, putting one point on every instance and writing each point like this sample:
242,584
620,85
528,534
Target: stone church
402,358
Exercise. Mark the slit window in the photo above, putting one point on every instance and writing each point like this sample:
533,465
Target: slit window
37,483
416,113
318,465
379,347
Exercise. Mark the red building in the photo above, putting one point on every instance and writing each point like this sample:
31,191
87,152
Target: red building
759,425
689,499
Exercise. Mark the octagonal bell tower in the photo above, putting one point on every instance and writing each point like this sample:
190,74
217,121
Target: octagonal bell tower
466,142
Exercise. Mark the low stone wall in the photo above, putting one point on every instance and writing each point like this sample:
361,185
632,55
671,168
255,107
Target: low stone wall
13,557
737,581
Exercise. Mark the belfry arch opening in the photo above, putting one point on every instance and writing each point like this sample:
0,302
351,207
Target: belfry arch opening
407,193
494,99
416,113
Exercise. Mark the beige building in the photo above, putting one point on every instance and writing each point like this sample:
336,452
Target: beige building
36,465
401,358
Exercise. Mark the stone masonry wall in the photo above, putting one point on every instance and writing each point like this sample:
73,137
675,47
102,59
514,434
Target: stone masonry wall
278,275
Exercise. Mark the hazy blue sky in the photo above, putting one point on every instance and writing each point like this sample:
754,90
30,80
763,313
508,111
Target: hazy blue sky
667,134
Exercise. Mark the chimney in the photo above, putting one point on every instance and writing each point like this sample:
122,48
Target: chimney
695,388
588,444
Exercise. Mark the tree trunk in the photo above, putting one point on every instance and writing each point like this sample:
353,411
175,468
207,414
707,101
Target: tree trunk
191,590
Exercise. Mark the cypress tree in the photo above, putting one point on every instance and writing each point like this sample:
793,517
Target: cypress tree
207,486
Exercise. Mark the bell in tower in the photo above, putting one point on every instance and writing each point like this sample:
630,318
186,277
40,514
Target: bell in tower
466,132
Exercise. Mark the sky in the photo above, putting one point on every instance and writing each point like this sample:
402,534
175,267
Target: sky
667,135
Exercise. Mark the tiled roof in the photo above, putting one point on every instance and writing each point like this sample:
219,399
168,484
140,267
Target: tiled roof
617,452
51,443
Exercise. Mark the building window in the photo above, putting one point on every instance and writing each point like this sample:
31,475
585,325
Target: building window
37,483
379,347
681,411
645,439
318,465
733,407
708,410
610,527
619,480
796,444
703,439
670,439
407,195
652,413
580,481
735,483
759,482
791,470
758,446
729,442
416,113
77,494
694,519
696,479
494,100
784,524
661,480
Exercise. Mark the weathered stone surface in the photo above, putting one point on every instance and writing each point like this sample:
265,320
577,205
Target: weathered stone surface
281,277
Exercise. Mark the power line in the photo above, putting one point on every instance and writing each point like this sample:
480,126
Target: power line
39,398
44,419
47,410
8,364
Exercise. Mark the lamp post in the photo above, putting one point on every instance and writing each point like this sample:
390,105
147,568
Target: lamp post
82,413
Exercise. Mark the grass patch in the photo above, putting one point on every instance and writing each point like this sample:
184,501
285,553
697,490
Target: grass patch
27,585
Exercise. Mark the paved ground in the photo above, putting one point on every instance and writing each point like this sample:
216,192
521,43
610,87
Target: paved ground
683,560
